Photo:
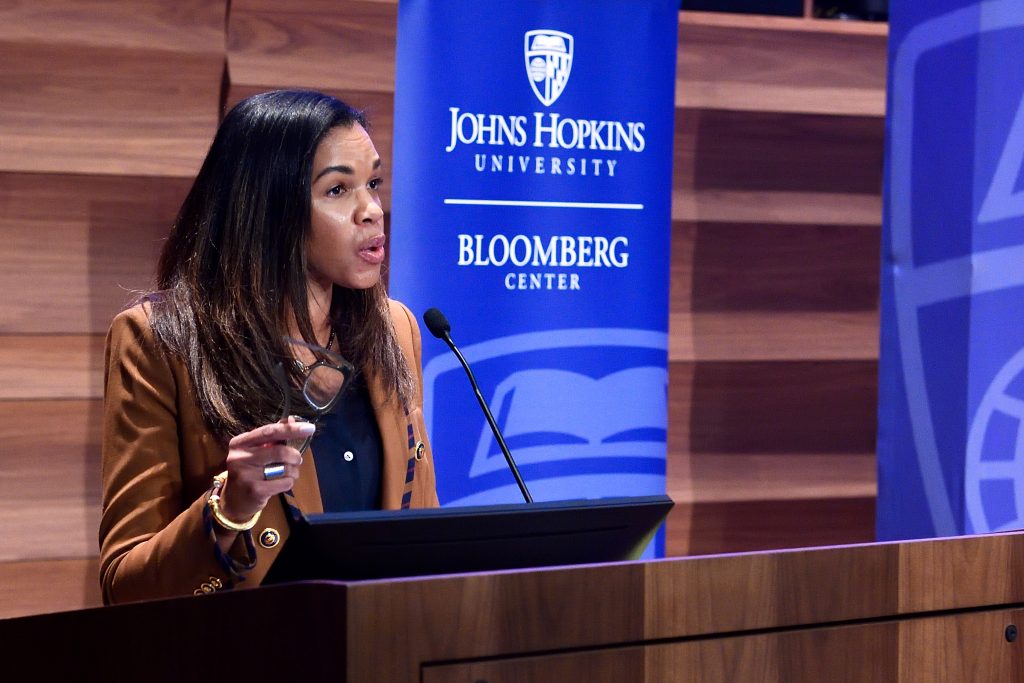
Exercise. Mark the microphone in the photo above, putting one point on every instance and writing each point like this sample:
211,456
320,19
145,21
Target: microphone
439,327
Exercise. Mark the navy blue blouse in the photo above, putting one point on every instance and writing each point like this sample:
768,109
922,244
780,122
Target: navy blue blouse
347,450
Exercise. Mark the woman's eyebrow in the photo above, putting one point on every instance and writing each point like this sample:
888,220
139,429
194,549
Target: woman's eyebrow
341,168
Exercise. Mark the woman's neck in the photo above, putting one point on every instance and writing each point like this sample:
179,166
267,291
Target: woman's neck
318,303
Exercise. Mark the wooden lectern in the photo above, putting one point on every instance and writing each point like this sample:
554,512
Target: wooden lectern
936,610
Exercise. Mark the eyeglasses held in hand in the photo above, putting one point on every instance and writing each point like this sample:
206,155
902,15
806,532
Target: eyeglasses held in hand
322,386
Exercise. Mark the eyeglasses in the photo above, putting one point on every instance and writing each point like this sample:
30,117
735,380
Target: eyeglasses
321,387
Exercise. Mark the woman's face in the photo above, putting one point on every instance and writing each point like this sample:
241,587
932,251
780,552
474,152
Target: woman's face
346,239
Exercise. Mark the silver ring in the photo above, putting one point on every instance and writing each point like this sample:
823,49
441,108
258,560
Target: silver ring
274,470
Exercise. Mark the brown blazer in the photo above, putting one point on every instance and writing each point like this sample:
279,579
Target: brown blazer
159,460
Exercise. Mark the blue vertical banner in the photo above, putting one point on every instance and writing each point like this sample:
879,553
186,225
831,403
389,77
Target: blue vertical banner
951,400
532,205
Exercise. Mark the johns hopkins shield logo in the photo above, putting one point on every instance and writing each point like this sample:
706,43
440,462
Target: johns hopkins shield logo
957,261
548,63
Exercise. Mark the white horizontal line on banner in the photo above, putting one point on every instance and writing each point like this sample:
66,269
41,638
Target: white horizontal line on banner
554,205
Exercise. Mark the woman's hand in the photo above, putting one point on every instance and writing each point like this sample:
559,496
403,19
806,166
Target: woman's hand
247,490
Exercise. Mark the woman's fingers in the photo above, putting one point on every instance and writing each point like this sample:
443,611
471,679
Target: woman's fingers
264,455
271,433
261,465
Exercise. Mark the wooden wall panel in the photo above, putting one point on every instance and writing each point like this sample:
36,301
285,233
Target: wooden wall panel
774,295
50,486
780,206
91,94
726,478
773,335
313,44
753,167
749,267
774,407
780,65
770,454
180,26
50,367
718,149
75,247
735,294
787,521
38,587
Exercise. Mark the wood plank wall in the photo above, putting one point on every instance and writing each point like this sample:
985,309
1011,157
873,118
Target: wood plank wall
775,260
106,115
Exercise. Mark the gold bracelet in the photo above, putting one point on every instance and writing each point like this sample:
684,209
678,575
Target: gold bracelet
214,502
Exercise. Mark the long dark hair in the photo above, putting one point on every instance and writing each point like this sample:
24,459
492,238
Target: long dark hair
235,263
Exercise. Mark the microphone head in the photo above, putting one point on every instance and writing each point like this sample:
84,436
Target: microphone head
437,323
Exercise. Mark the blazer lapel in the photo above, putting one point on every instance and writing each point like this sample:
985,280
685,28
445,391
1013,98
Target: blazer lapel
394,428
306,492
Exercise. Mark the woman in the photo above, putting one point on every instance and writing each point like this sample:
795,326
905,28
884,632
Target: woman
281,235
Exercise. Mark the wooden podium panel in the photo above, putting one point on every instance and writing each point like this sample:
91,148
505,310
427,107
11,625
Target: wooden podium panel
969,647
916,611
937,610
852,654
